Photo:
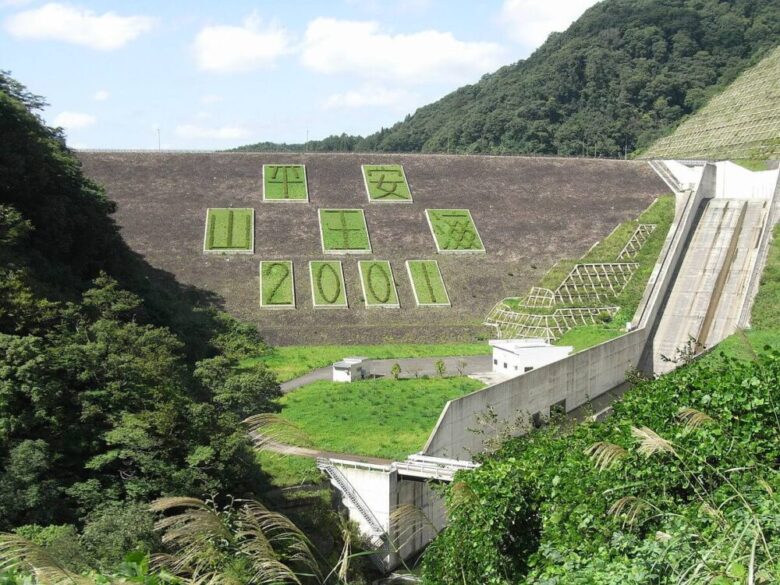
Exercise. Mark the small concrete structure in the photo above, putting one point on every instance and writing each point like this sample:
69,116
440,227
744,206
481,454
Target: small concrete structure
512,357
372,493
350,369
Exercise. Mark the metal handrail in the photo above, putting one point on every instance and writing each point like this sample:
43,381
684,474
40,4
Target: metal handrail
346,488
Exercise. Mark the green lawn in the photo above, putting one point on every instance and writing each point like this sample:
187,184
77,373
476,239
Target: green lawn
427,283
380,418
454,230
295,360
285,183
753,164
327,283
277,288
376,277
386,184
288,470
344,231
229,230
587,336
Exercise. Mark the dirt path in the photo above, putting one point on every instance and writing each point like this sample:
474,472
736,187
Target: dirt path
283,449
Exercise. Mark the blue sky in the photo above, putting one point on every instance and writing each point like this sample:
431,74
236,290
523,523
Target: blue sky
221,74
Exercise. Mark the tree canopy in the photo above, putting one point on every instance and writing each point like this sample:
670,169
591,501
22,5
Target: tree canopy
117,385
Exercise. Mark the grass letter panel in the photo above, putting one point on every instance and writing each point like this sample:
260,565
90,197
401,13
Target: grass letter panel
427,283
344,231
454,230
229,231
285,183
376,278
277,284
386,184
327,284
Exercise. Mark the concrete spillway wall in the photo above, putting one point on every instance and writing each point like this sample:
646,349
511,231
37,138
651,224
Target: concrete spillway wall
573,380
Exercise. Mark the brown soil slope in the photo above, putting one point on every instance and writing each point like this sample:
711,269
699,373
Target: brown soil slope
529,211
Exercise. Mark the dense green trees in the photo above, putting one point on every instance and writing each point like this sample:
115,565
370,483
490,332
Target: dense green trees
679,485
626,72
117,385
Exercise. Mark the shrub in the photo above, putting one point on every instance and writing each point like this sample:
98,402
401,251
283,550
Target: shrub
114,530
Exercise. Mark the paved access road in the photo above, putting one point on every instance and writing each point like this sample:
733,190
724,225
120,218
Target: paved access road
410,368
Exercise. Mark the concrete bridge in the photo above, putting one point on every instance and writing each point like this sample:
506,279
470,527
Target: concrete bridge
701,289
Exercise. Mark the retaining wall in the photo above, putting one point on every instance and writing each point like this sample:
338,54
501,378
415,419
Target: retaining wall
574,379
686,217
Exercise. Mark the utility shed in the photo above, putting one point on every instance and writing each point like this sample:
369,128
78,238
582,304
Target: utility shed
517,356
349,369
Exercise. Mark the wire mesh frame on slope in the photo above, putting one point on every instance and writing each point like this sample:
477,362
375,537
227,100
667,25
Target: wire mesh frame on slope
594,283
510,324
636,241
538,297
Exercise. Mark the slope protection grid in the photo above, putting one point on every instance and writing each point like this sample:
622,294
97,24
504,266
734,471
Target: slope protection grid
742,122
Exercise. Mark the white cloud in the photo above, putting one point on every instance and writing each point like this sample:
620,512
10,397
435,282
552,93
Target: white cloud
15,3
192,132
60,22
101,95
394,6
74,120
530,22
227,48
360,48
210,99
368,96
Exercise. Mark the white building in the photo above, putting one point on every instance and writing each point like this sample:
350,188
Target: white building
517,356
350,369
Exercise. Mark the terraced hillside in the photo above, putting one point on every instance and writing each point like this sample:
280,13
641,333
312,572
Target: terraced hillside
529,212
743,122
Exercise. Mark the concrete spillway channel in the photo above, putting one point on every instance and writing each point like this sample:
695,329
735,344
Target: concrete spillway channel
737,278
705,301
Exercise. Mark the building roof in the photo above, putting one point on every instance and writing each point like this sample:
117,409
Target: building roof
516,346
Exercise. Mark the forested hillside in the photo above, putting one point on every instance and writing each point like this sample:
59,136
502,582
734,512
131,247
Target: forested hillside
625,73
117,385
